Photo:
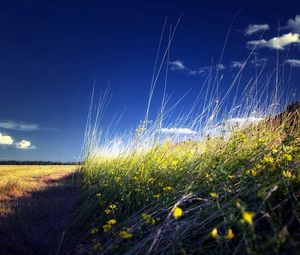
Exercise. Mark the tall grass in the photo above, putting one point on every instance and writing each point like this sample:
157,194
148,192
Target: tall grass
219,177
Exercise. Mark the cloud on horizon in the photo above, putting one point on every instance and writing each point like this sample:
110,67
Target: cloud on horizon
178,131
255,28
277,43
24,145
6,139
18,126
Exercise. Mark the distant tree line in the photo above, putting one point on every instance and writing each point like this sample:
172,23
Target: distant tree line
14,162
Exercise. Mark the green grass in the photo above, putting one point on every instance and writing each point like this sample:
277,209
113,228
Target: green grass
236,194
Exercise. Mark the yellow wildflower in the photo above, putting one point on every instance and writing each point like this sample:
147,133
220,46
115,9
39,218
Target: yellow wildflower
156,196
107,211
287,157
230,176
124,234
177,212
269,160
174,162
168,188
259,166
111,222
106,227
248,217
213,194
287,174
97,247
253,172
98,195
214,233
230,235
94,231
112,206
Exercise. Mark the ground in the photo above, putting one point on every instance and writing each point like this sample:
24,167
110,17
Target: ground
35,204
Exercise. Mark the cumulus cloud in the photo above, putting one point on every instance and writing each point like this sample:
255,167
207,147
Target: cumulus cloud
179,131
24,145
6,139
293,62
18,126
294,24
277,42
255,28
177,65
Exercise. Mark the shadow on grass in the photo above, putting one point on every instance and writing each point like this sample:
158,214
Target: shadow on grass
36,222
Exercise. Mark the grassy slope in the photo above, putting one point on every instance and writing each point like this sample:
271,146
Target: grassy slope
219,196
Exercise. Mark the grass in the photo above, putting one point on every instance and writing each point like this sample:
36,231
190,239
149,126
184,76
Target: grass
229,194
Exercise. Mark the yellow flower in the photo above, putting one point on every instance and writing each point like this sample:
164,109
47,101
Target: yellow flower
230,176
97,247
269,160
94,231
156,196
124,234
112,206
168,188
98,195
213,194
287,157
248,217
177,212
107,211
174,162
259,166
230,235
287,174
253,172
106,228
214,233
111,222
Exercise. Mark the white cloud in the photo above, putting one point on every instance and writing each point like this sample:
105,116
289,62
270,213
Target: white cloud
236,64
6,140
177,65
180,131
242,122
277,42
24,145
293,62
18,126
227,126
255,28
294,24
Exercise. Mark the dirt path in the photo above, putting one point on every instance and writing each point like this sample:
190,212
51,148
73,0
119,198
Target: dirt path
36,222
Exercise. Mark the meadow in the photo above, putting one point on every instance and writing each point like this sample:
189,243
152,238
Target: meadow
234,193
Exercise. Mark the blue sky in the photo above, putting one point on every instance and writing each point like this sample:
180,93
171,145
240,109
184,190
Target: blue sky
51,52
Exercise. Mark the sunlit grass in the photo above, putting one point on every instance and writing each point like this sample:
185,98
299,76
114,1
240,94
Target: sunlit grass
235,193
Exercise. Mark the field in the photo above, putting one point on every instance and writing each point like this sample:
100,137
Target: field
35,203
236,193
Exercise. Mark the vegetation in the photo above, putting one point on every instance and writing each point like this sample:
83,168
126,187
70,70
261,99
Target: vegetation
228,194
